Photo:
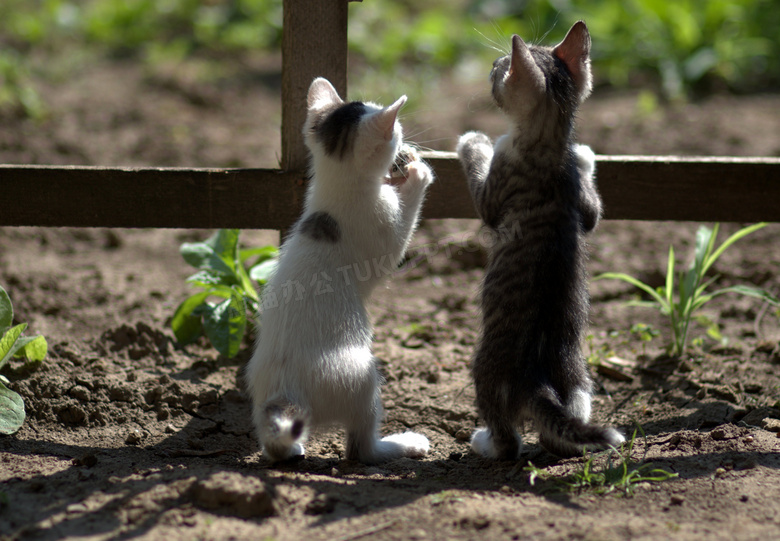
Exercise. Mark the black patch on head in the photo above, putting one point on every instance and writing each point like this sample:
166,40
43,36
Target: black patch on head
321,226
337,131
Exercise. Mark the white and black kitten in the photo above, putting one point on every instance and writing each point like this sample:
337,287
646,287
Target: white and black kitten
312,364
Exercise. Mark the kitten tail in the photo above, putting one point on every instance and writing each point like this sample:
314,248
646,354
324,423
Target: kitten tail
564,434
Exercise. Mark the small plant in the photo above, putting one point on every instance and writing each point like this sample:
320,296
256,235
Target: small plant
691,288
13,344
621,476
225,274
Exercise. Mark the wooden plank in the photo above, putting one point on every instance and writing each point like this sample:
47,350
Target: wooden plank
314,44
632,187
132,197
723,189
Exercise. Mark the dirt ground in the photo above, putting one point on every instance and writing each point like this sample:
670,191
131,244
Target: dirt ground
130,436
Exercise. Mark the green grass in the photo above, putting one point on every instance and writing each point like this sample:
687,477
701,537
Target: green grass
611,471
686,292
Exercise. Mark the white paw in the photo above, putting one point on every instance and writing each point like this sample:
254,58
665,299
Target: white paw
419,173
616,439
412,444
482,443
586,159
470,139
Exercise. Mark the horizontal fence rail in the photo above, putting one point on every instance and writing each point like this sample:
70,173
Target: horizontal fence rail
632,187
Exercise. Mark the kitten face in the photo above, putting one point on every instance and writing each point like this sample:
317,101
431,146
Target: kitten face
363,137
534,78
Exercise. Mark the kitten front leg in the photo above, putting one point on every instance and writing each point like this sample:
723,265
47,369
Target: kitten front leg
590,201
475,152
418,177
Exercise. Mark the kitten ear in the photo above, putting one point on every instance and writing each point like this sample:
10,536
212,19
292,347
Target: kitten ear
322,94
574,51
384,120
522,65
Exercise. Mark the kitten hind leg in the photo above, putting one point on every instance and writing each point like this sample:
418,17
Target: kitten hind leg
499,442
364,446
282,428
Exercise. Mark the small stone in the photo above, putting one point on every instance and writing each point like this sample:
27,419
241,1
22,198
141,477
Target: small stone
463,434
79,392
134,437
773,425
76,508
676,499
170,429
718,434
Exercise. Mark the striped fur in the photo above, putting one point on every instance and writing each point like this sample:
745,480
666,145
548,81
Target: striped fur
535,180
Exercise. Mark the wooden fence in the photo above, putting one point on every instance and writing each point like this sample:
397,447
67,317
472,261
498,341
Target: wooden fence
315,44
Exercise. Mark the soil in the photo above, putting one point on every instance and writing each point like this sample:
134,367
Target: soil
129,435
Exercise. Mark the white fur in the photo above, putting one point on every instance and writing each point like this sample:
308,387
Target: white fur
586,161
482,443
314,348
579,405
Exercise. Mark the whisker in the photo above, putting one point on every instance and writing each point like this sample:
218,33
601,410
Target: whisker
490,43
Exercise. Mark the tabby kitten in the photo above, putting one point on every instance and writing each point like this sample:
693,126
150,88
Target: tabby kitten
312,363
535,181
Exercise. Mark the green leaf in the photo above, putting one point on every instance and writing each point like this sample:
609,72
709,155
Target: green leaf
32,348
263,253
11,410
262,272
8,343
669,288
729,241
217,254
225,323
633,281
186,325
6,311
207,279
749,292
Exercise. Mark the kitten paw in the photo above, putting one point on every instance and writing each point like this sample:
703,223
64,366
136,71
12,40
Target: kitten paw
469,141
586,160
408,444
418,173
482,443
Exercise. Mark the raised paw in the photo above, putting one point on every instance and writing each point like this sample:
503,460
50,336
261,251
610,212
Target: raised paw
586,160
418,173
470,141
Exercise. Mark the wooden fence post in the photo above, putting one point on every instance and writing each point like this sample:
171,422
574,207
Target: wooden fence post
314,44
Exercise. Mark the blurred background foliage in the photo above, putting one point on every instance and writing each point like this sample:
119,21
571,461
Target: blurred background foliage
678,49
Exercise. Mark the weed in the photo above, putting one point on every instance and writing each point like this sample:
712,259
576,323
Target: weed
12,344
621,475
691,288
225,273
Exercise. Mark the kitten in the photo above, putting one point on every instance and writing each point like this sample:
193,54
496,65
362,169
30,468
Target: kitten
312,363
535,181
